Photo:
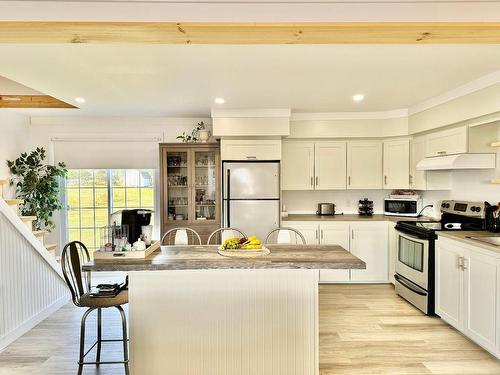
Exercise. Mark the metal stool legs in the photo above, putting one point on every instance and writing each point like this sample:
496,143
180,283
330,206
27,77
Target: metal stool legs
99,341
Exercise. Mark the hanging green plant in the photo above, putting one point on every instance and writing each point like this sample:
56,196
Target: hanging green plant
193,137
38,185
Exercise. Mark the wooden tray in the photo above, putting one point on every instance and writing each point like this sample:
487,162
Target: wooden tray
242,253
141,254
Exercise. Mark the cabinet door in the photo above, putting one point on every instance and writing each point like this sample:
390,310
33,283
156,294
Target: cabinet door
397,164
330,165
310,231
334,234
446,142
369,242
481,291
297,166
364,165
417,178
448,283
253,149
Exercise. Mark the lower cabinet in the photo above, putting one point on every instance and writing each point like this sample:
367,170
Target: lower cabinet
367,240
467,291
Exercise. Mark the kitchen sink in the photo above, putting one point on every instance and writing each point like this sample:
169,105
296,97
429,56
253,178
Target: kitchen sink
492,240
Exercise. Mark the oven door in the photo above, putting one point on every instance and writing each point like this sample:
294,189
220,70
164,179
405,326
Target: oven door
413,259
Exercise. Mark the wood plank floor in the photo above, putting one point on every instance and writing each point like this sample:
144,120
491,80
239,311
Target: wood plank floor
364,329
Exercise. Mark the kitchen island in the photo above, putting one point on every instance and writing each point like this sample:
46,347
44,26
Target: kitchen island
193,311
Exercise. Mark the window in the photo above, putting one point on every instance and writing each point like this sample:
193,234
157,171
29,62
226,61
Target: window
92,195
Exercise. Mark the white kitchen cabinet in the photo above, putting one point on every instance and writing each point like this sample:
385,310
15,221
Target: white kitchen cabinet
449,283
396,164
330,165
417,178
364,165
310,230
446,142
334,234
480,286
467,291
369,242
251,149
297,166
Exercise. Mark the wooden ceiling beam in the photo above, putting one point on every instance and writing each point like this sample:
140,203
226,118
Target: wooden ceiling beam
251,33
32,101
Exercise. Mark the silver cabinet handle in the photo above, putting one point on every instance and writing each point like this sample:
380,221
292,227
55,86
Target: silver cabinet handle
385,180
316,233
441,152
317,180
321,233
312,183
352,233
349,180
251,157
411,179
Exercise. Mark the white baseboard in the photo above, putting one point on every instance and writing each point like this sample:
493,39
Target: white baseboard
32,322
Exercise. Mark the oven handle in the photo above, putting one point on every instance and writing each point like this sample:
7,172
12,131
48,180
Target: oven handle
404,234
408,285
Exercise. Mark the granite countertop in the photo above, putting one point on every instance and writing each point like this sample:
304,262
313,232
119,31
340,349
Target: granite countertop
462,237
206,257
352,217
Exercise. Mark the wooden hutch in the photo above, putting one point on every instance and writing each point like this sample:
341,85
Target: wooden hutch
190,184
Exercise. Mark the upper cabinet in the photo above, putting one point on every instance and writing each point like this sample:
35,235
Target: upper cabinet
397,164
364,165
417,178
251,149
446,142
313,166
297,166
330,165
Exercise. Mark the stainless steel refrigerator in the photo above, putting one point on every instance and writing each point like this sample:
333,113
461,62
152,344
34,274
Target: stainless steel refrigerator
251,196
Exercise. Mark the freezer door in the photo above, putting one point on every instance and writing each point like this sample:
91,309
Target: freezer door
256,218
251,180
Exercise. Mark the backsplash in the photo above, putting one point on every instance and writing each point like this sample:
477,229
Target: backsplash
346,201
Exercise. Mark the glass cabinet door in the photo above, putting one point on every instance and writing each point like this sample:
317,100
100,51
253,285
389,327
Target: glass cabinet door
177,186
205,185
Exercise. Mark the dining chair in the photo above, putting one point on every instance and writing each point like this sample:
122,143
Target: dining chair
285,235
73,256
181,236
218,236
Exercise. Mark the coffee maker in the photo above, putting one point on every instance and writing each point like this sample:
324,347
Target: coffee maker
135,219
492,218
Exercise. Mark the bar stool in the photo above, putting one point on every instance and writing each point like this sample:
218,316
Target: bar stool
181,236
285,236
220,235
73,256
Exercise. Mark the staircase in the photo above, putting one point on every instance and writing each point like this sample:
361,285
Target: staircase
31,280
28,221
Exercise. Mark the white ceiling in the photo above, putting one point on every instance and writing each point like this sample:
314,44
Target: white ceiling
179,80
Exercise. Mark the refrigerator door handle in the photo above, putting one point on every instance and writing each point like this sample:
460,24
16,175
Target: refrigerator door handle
228,198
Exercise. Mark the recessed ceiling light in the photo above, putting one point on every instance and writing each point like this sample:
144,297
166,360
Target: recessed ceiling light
220,100
358,97
80,100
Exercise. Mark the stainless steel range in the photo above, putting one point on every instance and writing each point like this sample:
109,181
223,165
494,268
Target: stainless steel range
414,278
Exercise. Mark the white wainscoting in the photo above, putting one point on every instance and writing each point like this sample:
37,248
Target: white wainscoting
30,288
224,322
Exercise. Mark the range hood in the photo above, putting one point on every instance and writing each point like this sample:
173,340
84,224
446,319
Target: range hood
458,161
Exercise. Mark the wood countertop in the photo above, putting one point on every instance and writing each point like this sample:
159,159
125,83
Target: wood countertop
207,257
352,217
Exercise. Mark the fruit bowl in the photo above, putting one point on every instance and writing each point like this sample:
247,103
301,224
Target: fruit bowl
249,247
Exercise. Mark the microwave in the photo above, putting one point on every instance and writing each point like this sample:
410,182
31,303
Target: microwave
403,206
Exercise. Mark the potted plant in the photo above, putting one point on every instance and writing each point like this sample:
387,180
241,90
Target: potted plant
38,185
198,133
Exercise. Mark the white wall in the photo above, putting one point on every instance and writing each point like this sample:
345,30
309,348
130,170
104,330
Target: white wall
14,130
